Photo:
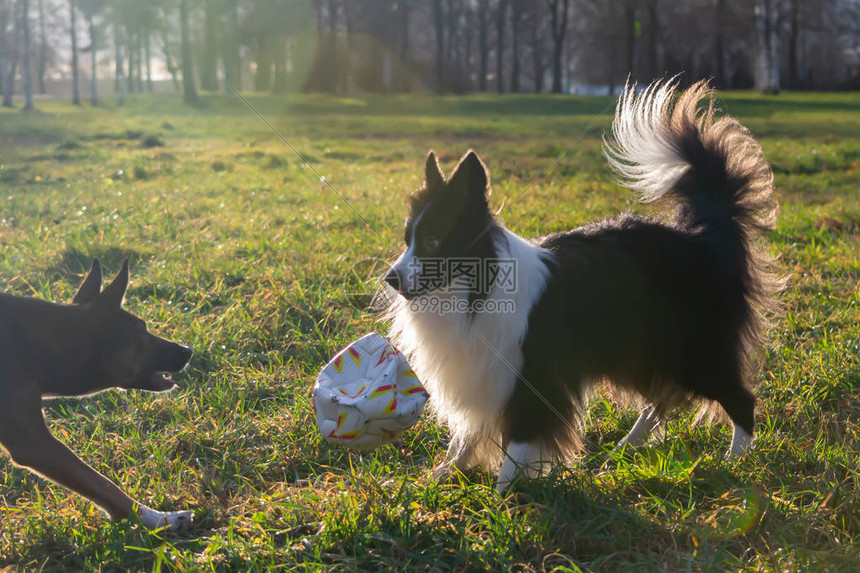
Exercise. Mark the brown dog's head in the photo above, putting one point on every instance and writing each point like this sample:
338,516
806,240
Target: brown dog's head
117,350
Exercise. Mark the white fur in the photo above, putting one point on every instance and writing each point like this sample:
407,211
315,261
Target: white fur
645,424
526,458
407,266
470,364
642,152
740,442
174,521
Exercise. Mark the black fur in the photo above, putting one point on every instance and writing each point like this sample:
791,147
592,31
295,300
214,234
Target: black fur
669,310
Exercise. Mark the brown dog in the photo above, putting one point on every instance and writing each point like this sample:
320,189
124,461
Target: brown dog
92,344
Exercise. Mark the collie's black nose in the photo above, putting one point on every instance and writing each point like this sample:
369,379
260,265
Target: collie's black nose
393,279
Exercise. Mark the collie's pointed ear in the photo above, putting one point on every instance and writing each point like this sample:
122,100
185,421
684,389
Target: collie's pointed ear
471,173
115,291
432,174
90,286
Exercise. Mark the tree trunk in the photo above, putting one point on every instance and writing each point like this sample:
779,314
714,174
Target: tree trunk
120,84
76,94
28,80
774,45
148,54
138,59
404,81
334,64
263,76
168,61
610,69
559,30
537,50
4,20
654,70
94,86
630,30
483,43
762,32
501,17
439,25
43,48
280,85
9,83
792,47
516,12
189,90
719,47
209,65
130,54
230,43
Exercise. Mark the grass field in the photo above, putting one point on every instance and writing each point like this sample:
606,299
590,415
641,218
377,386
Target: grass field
240,250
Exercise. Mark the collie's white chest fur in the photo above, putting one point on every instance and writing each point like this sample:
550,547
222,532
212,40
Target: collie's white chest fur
470,362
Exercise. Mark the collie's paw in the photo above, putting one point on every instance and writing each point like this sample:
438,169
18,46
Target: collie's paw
174,521
741,443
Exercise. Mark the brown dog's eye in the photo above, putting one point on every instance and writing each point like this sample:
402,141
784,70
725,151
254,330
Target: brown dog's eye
431,243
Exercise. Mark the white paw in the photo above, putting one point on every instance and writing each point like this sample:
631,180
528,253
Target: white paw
174,521
741,442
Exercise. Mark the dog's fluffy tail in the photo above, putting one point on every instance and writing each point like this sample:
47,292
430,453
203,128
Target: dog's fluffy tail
674,149
713,168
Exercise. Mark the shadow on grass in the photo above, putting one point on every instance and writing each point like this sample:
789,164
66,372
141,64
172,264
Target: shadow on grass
74,264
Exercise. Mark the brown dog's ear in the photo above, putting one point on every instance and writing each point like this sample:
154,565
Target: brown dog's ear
471,175
91,285
115,291
432,174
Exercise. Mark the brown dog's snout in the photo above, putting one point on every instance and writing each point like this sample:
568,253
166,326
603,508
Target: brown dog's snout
183,356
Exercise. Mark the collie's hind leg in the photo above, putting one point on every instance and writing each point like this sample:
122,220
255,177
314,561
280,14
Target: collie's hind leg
647,422
740,406
739,403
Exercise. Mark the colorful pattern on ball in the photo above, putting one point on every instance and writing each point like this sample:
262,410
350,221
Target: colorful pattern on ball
367,395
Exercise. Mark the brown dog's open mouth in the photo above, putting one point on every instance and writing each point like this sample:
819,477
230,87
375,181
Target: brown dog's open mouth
160,382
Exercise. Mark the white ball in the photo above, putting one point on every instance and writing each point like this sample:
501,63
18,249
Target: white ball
367,395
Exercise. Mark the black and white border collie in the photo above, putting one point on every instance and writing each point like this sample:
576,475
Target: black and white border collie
669,309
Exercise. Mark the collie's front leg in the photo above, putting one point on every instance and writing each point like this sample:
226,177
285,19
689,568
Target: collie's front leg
527,459
459,457
647,423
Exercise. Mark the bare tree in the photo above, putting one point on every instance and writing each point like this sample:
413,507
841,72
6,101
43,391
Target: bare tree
793,45
209,63
230,47
558,10
42,62
439,26
4,22
537,51
652,35
768,14
501,18
631,31
483,43
189,90
28,80
76,92
120,83
12,49
517,9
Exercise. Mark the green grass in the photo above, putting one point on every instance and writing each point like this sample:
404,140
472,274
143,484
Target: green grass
238,249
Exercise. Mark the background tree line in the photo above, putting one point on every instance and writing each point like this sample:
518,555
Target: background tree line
447,46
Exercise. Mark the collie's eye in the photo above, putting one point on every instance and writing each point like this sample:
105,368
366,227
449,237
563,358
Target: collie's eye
431,243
